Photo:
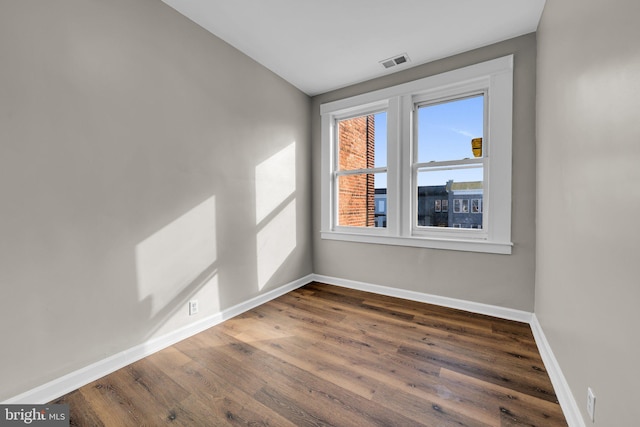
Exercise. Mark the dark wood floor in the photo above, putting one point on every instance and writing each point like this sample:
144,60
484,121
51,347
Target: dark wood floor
329,356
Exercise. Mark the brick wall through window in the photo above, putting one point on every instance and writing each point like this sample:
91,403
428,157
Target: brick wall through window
356,195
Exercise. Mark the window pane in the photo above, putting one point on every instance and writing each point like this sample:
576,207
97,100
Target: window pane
362,200
460,189
445,130
362,142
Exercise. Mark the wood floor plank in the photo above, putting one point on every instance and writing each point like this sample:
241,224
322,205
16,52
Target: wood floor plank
444,314
511,404
234,408
289,383
213,397
470,355
81,412
109,403
323,355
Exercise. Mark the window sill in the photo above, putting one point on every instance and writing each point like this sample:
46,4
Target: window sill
466,245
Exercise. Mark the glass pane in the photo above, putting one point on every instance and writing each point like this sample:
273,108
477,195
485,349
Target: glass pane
362,200
450,198
362,142
446,130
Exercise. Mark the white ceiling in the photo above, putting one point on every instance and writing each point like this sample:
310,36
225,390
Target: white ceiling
323,45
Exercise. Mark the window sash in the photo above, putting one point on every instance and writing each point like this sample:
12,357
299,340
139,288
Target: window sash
337,173
429,100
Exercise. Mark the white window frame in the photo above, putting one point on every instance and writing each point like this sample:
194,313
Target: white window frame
493,78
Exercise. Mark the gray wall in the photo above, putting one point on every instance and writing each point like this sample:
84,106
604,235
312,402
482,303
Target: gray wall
504,280
588,154
130,143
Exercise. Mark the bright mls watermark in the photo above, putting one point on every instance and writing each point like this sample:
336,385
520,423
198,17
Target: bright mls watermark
34,415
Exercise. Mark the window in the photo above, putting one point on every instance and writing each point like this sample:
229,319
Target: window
445,160
476,206
406,151
361,169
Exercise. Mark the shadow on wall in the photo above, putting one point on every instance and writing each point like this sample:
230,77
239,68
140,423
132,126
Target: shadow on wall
181,262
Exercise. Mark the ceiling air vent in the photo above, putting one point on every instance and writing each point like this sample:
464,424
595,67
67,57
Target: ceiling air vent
396,60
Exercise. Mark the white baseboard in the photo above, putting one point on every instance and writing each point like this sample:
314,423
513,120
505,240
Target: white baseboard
59,387
63,385
560,385
473,307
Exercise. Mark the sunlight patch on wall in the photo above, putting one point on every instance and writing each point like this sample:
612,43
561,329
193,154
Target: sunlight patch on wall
275,181
275,242
170,260
275,212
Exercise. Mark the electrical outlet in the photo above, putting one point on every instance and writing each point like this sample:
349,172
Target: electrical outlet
591,403
193,307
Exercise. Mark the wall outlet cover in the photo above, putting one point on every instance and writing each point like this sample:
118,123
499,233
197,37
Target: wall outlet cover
193,307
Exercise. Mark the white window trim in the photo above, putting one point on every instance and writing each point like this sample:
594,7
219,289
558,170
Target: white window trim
496,78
